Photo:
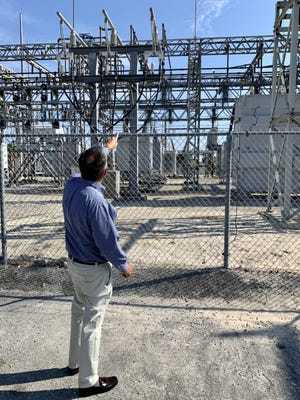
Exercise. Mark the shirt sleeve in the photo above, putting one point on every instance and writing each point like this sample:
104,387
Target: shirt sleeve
105,150
106,237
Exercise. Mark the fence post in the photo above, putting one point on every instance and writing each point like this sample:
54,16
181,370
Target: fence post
2,205
227,199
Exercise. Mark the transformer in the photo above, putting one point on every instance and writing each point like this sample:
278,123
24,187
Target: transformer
252,153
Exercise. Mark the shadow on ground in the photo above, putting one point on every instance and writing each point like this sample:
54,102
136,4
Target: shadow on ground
20,378
55,394
164,282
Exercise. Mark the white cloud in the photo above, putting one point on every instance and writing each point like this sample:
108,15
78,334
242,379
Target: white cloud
207,12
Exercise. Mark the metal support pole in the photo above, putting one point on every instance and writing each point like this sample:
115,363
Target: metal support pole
2,206
73,32
134,140
288,176
93,59
227,199
288,172
196,12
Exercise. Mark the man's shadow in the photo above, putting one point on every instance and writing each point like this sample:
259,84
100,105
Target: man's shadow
19,378
55,394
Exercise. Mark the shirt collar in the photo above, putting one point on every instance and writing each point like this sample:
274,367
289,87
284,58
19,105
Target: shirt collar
97,186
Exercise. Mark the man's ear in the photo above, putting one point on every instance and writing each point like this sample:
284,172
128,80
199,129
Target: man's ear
103,176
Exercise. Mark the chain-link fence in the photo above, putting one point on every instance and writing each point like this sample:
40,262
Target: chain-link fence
179,216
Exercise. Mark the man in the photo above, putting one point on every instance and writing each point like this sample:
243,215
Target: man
92,243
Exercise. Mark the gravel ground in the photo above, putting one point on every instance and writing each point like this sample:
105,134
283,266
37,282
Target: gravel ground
189,335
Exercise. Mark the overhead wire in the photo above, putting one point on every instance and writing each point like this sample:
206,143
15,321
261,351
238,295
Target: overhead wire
154,102
88,119
78,107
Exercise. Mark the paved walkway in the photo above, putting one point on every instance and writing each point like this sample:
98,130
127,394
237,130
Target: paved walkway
160,349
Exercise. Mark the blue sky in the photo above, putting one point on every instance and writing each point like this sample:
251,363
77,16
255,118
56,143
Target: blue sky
214,18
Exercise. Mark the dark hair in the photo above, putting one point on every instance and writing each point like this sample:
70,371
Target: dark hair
92,163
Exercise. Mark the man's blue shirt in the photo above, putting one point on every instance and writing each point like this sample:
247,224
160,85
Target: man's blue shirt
91,235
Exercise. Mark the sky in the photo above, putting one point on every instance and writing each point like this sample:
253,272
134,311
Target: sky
214,18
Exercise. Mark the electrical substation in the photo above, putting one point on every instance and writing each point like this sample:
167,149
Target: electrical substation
203,189
198,118
173,101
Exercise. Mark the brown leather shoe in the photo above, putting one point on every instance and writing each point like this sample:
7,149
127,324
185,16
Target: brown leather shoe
72,371
104,385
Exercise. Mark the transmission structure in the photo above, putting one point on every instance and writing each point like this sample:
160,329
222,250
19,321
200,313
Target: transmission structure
95,86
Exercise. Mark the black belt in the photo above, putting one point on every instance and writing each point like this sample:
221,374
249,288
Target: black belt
84,262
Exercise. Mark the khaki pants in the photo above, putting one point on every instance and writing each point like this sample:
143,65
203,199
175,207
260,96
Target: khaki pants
93,290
